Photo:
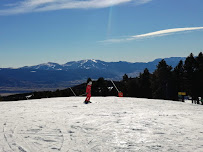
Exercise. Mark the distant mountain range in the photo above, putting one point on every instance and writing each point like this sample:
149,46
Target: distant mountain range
50,76
118,68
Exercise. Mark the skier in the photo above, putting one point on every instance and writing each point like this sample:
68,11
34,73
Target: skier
88,91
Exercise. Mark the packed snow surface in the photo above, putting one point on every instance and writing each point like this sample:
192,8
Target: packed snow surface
108,124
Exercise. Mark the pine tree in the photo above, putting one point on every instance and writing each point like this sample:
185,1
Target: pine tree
161,81
124,84
189,75
178,76
125,78
198,88
145,84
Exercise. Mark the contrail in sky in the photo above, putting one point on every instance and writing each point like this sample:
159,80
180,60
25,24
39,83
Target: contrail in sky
154,34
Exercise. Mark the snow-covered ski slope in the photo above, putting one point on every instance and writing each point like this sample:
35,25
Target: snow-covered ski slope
108,124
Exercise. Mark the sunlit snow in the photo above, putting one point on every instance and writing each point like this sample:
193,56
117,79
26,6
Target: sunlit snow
108,124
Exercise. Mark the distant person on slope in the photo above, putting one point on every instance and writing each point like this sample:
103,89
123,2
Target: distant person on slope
88,91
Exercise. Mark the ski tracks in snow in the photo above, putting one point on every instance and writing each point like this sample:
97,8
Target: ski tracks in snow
107,125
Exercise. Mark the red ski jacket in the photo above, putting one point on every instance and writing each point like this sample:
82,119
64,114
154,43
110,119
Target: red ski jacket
88,89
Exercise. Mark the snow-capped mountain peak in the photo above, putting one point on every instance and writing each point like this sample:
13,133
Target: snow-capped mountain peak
44,66
86,64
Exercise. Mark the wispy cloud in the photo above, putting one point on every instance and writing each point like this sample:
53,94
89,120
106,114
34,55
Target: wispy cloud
139,2
153,34
26,6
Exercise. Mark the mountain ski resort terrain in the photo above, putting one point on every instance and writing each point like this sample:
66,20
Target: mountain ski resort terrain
108,124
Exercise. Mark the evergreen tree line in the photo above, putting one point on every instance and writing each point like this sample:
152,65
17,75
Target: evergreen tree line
165,82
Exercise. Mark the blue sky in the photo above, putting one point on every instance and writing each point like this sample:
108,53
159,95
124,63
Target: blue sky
40,31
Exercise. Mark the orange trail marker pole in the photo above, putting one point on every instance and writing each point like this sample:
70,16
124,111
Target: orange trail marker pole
120,94
115,86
